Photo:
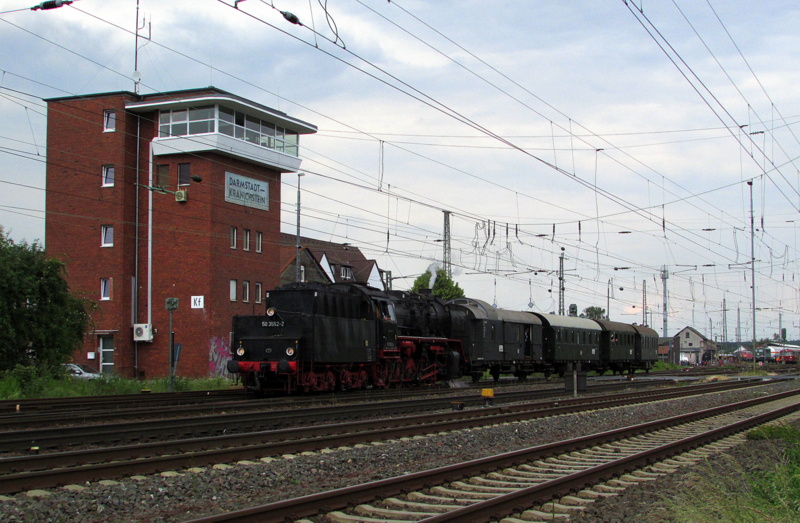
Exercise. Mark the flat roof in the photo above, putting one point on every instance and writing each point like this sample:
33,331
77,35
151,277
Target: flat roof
202,95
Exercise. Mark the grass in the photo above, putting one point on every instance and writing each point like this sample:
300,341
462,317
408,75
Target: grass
31,383
771,493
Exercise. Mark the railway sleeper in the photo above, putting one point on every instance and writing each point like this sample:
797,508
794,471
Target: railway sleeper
560,508
476,486
341,517
401,515
426,507
526,471
472,494
515,484
452,500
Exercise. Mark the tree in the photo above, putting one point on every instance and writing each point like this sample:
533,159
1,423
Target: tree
443,286
594,313
41,322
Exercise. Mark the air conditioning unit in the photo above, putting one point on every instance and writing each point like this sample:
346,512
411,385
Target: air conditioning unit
181,196
142,332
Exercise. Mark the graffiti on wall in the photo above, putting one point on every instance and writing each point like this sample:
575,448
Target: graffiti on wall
218,356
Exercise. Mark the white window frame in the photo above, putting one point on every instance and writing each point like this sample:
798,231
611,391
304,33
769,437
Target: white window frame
246,291
246,239
106,236
234,234
347,272
105,289
257,291
259,240
233,286
187,121
109,120
302,274
108,174
105,350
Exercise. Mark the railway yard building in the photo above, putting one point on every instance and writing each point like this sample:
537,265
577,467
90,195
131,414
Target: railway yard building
165,196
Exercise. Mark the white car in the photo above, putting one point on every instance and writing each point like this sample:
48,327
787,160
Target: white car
77,370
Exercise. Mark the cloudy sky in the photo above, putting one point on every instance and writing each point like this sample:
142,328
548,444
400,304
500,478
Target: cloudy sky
618,135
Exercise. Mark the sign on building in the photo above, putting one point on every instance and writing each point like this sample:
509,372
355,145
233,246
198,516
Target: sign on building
249,192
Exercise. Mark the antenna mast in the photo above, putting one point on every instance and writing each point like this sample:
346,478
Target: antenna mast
137,76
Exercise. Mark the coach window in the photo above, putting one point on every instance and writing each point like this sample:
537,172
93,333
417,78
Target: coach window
109,121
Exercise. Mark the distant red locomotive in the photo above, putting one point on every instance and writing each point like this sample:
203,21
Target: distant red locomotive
317,337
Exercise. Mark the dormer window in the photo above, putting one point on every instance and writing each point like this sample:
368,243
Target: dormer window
347,273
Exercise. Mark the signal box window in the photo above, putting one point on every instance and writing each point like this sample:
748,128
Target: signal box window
108,176
106,235
105,288
109,121
246,240
184,174
162,175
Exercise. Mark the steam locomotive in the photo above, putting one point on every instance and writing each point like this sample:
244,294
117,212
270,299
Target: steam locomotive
341,336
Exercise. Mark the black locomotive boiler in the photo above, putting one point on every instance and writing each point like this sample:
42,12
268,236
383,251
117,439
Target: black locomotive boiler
316,337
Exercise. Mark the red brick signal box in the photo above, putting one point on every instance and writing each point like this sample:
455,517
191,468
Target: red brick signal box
169,195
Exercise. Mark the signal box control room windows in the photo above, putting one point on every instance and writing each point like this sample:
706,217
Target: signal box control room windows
214,118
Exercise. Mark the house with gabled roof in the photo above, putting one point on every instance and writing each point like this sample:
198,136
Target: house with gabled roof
327,262
694,347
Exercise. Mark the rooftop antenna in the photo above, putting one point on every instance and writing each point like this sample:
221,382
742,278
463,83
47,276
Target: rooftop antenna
137,76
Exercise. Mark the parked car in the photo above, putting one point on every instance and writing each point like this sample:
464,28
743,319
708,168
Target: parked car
77,370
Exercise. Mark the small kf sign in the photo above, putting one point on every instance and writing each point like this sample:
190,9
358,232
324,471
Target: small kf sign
197,302
172,304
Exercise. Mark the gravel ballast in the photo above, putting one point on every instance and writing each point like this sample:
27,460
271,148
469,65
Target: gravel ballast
194,493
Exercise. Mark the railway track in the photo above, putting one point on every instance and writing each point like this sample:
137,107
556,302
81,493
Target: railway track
535,484
152,424
76,466
102,409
